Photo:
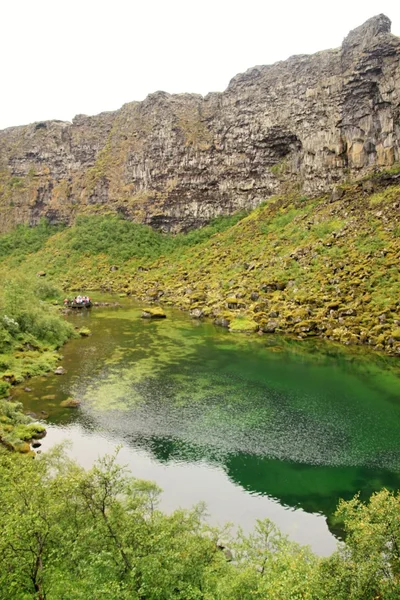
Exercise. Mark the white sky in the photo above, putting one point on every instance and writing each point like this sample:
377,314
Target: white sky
60,58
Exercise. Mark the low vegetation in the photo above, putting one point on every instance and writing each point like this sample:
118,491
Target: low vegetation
31,330
325,267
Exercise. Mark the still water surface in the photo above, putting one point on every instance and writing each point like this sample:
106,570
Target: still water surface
254,426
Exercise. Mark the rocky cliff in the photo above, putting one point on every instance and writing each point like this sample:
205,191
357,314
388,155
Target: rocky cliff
175,161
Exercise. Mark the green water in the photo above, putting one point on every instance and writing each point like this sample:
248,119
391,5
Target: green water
301,424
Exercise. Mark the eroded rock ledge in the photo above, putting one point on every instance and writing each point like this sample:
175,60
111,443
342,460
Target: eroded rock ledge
175,161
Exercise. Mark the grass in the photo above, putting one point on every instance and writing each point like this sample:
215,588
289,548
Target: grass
391,194
297,254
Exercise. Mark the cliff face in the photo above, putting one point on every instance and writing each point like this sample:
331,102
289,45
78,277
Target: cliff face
175,161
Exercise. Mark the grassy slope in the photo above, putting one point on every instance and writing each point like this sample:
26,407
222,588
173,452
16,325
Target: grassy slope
319,267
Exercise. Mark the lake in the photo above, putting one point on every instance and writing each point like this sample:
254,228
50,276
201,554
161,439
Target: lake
255,426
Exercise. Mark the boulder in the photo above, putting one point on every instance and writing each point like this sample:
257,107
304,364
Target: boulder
154,293
270,327
336,194
243,325
70,403
234,303
84,332
59,371
221,322
153,313
306,326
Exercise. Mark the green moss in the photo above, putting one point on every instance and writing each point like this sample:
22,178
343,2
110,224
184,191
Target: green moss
391,194
280,168
155,312
243,325
70,403
29,432
16,429
84,332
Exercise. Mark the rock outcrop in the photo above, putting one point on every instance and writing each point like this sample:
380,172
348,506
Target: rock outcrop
176,161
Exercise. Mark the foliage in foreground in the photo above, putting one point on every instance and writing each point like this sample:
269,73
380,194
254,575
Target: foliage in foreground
68,533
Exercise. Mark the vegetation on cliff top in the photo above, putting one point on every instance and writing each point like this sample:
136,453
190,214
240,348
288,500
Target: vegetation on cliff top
71,533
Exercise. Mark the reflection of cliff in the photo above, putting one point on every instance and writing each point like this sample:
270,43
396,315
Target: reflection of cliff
175,161
315,489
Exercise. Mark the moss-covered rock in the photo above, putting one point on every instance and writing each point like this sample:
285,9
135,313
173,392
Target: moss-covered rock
270,326
155,312
21,447
16,428
235,303
196,313
84,332
243,325
70,403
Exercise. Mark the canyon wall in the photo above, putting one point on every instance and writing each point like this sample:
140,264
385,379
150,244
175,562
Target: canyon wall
176,161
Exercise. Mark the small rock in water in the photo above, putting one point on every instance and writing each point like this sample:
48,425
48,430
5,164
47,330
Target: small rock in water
27,389
222,322
84,332
153,313
70,403
59,371
36,445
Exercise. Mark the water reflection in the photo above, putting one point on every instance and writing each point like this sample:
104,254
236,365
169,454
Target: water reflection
297,424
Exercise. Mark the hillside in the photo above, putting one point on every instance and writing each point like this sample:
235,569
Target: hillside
177,161
326,267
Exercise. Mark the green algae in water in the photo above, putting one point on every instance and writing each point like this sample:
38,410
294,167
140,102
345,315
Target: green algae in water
304,422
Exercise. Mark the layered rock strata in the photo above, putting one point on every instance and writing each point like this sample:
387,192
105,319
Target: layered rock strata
176,161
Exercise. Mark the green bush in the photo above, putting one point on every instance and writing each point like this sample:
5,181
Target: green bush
23,312
24,239
121,239
4,388
70,533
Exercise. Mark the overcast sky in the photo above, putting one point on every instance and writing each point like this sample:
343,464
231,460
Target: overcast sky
60,58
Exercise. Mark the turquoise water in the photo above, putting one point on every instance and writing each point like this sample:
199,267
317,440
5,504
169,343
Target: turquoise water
290,426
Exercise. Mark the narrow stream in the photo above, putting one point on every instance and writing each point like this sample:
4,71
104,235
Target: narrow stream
254,426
